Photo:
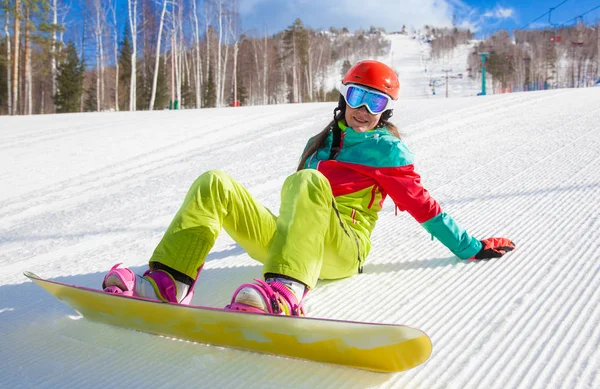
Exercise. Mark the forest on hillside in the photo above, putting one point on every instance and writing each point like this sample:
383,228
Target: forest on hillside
167,53
565,57
114,55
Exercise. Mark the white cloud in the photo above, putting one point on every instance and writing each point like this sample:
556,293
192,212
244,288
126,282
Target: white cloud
469,25
393,14
475,20
505,13
353,14
361,14
499,13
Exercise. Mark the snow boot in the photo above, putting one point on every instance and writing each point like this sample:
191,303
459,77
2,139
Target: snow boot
276,296
153,285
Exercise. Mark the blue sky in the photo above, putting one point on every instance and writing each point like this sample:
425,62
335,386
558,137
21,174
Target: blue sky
483,17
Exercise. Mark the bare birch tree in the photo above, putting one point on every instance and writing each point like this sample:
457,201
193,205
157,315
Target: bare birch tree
257,66
283,90
265,97
233,31
224,64
172,88
197,62
187,73
295,89
53,68
157,59
207,21
63,24
178,33
220,12
99,24
58,31
308,68
234,71
15,64
132,8
182,51
321,65
115,35
598,51
8,60
28,109
175,54
261,66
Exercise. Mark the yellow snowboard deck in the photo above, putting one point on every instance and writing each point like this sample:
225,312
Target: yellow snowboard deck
370,346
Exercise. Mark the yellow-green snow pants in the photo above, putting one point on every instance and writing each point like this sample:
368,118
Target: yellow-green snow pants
307,241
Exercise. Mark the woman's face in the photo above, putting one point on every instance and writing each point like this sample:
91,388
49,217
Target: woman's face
360,119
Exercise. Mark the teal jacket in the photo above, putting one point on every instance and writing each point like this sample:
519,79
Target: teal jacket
373,165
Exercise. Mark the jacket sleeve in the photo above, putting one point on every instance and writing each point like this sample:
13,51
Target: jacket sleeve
404,186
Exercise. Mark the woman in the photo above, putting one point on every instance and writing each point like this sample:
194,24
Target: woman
328,210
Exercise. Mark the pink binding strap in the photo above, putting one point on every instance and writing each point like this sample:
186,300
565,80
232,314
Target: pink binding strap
296,307
272,294
263,291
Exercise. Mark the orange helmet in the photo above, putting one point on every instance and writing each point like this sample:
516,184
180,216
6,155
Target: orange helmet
376,75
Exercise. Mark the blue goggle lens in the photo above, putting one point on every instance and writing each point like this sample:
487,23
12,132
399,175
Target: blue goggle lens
355,97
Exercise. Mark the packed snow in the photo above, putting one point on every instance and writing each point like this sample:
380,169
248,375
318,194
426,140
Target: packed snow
81,192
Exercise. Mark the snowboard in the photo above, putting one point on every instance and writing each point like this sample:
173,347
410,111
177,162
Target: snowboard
370,346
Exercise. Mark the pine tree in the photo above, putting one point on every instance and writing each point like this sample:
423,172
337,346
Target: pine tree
142,92
295,41
188,95
332,95
70,81
162,90
345,67
210,99
50,49
90,104
125,69
242,92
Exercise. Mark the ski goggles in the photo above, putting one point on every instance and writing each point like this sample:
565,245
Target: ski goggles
357,96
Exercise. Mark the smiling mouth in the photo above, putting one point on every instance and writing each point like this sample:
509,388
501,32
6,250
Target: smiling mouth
360,120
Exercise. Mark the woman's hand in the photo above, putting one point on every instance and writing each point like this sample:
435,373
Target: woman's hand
494,248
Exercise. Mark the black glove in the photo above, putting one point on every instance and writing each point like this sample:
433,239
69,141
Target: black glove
494,248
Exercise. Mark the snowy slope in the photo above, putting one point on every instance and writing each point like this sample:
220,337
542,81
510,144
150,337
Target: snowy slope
422,76
81,192
459,82
407,57
418,71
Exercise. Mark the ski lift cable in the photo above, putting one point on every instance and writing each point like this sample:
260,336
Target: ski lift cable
547,13
582,15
